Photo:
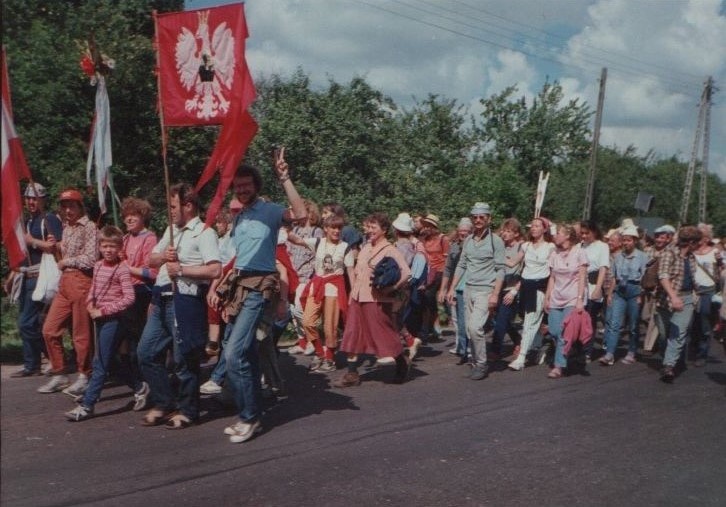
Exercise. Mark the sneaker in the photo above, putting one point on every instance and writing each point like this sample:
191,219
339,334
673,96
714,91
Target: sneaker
478,372
413,349
667,374
78,387
385,361
210,387
517,364
55,384
242,431
295,349
80,413
350,379
140,397
327,366
309,349
46,369
315,364
24,373
454,352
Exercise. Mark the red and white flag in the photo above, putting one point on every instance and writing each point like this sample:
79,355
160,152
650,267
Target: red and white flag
14,167
204,80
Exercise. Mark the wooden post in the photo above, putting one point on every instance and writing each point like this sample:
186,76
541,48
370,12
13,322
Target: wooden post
587,209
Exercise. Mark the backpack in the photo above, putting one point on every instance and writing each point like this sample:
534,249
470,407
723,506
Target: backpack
650,277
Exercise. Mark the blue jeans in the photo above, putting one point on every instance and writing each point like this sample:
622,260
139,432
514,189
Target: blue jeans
462,340
243,365
220,369
104,351
556,317
703,323
674,326
29,325
155,341
624,304
503,323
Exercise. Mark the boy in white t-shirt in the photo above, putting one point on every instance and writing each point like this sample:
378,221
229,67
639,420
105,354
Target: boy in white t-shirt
325,294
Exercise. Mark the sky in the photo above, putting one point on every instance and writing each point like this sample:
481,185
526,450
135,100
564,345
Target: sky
658,54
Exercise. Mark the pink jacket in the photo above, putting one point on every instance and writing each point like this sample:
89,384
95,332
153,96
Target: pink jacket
577,326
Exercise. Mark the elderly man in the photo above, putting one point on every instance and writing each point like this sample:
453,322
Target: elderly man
675,301
41,227
482,263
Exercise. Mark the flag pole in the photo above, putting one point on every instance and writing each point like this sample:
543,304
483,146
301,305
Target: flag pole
164,139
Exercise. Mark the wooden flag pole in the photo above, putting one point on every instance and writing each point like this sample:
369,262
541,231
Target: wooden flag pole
164,139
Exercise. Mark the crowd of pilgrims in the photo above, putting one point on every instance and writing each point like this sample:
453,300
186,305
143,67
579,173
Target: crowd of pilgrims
147,309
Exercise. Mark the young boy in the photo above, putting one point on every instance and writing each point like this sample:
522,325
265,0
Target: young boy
325,295
111,293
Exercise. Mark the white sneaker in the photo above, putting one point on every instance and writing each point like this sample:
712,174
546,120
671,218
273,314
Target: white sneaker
295,349
78,387
413,349
385,361
210,387
80,413
454,352
55,384
309,349
242,431
517,364
140,397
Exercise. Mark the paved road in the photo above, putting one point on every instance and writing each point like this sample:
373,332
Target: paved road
617,436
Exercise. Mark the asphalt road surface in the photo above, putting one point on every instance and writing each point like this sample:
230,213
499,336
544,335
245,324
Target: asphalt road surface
615,436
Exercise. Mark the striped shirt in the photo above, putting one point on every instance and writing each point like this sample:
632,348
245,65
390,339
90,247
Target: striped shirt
80,244
111,290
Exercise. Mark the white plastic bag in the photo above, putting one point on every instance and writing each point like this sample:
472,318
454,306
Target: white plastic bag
48,278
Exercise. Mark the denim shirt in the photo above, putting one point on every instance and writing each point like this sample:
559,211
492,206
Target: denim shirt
629,268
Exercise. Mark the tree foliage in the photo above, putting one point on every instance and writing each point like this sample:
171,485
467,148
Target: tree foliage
346,142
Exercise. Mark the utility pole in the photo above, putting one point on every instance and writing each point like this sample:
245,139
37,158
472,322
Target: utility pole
595,144
704,156
703,112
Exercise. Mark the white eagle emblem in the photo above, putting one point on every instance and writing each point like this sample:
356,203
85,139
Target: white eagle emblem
206,66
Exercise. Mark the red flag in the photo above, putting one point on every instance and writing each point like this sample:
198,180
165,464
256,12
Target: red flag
204,80
14,167
202,65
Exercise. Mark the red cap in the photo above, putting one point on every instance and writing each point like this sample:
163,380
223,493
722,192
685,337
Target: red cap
71,194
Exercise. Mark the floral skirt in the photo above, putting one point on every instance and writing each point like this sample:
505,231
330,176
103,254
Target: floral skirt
369,329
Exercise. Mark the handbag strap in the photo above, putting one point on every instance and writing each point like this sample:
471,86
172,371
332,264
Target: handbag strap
698,264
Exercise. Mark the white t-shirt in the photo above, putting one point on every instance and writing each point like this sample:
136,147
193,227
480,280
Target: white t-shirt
598,255
536,260
331,259
707,262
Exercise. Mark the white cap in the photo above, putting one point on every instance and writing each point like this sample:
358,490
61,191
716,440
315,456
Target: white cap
403,223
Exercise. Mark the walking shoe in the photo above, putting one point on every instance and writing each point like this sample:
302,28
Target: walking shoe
327,366
517,364
80,413
55,384
140,397
211,348
46,368
295,349
309,349
78,387
385,361
667,374
242,431
210,387
413,349
315,364
24,373
607,360
478,372
350,379
454,352
628,359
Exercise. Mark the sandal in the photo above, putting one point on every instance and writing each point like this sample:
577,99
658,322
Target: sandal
555,373
211,348
178,422
155,417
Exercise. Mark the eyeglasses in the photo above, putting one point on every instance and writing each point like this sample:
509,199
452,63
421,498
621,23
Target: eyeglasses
479,217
